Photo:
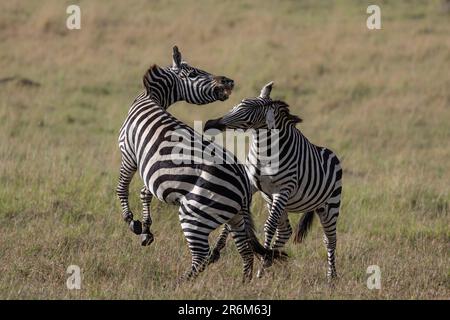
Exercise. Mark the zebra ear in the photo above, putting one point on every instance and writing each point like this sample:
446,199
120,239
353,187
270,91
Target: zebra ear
270,119
176,58
265,91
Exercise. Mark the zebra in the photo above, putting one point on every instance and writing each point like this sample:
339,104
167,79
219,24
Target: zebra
176,83
309,178
208,194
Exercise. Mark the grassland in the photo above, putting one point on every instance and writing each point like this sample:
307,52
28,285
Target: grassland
380,99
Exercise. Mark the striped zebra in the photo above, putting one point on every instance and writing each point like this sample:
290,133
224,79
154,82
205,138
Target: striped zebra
208,194
309,178
180,82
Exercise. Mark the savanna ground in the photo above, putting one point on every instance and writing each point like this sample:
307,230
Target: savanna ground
379,99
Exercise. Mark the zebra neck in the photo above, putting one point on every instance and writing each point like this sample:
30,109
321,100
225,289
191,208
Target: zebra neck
271,146
165,100
162,87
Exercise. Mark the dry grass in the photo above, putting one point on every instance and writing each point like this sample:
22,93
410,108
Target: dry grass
380,99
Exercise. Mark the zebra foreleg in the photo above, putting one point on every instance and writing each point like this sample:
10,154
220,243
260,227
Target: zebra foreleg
146,199
283,233
220,244
126,174
240,236
275,224
277,210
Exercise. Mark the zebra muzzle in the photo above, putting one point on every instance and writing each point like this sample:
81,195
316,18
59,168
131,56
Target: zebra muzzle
224,89
214,124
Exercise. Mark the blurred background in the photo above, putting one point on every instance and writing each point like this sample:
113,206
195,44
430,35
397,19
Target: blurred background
379,98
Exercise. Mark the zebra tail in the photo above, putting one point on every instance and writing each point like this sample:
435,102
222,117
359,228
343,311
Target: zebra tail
258,248
303,226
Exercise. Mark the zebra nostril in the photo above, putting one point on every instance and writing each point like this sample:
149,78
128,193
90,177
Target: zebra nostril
227,81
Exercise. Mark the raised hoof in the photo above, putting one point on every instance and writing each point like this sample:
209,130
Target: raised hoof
214,257
146,239
136,226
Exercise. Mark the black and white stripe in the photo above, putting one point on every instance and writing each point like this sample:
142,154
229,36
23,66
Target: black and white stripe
308,179
208,194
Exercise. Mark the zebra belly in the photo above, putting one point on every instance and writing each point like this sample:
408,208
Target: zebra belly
196,189
305,204
299,202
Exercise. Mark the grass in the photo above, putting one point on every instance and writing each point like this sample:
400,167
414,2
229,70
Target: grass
380,99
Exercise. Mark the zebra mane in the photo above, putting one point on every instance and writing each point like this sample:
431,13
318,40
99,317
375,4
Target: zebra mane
148,77
283,107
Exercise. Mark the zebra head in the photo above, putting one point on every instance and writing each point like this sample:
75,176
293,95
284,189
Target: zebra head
256,113
184,82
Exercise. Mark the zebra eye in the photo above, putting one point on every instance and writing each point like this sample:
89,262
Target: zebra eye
192,73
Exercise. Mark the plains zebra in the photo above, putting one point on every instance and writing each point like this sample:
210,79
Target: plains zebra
208,194
308,179
180,82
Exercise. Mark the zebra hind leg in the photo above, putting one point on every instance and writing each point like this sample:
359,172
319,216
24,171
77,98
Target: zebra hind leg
328,218
198,245
199,252
126,174
220,244
146,235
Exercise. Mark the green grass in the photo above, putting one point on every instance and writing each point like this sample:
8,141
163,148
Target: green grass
379,99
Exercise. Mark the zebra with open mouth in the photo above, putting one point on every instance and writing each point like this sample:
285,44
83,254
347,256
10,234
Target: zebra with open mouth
208,194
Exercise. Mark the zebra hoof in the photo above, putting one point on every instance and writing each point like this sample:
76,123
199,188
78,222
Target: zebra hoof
332,278
215,256
146,239
136,226
267,262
